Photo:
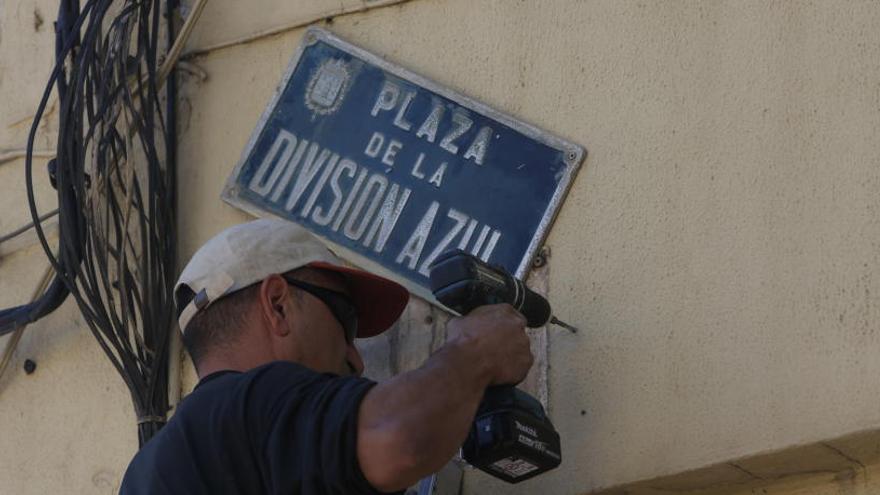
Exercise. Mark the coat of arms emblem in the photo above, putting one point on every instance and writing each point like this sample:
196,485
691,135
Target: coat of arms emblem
328,86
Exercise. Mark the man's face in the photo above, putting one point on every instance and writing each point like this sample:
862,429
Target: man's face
318,336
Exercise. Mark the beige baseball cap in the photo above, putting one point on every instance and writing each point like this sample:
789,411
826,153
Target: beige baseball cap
249,252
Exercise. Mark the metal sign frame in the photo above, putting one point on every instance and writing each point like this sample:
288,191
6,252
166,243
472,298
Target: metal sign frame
574,154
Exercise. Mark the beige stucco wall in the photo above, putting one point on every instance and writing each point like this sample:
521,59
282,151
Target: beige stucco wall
720,246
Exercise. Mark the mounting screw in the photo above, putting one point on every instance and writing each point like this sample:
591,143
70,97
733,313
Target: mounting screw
541,257
29,366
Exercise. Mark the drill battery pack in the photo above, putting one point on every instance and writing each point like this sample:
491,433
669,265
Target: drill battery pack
511,437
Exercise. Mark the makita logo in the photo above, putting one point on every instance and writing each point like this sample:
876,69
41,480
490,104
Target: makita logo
525,429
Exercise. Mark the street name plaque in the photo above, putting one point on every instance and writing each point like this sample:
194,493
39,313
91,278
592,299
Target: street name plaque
392,169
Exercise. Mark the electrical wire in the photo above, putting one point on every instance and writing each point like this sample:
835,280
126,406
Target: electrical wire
28,226
185,32
115,179
115,175
65,40
12,343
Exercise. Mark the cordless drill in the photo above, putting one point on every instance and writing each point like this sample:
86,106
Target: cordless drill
511,437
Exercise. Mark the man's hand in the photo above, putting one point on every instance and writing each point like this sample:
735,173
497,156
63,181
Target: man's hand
497,335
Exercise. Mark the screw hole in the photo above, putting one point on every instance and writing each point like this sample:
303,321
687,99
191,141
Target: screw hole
29,366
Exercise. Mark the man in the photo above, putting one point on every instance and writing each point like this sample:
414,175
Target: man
269,317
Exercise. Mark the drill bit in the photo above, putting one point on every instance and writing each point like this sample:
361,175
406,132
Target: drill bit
556,321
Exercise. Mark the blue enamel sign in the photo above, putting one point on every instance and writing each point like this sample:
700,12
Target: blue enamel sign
392,170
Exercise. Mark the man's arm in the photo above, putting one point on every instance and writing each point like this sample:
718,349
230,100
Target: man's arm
411,425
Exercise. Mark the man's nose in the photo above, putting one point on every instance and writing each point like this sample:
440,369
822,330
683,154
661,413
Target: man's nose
355,361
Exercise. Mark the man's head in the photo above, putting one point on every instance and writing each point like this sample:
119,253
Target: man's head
267,290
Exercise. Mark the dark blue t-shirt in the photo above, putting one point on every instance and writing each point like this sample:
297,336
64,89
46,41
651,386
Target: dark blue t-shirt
277,429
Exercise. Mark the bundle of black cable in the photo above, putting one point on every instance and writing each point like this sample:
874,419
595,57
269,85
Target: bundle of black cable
114,172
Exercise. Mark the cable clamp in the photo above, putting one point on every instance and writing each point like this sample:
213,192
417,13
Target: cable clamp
151,419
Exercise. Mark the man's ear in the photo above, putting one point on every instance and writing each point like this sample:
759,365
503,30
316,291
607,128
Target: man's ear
273,304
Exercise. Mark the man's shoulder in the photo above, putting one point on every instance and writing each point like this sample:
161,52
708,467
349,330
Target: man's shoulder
246,424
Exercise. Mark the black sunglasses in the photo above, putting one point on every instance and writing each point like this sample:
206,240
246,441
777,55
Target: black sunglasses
338,303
